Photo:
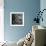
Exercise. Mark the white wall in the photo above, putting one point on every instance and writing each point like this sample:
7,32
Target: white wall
43,6
1,21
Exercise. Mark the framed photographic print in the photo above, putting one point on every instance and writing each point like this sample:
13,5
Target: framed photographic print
16,18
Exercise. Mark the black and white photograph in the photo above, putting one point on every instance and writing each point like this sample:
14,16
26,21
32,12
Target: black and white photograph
17,18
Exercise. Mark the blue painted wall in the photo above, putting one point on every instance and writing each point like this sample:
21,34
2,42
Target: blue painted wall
29,7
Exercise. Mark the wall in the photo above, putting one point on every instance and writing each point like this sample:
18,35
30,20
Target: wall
29,7
43,6
1,21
